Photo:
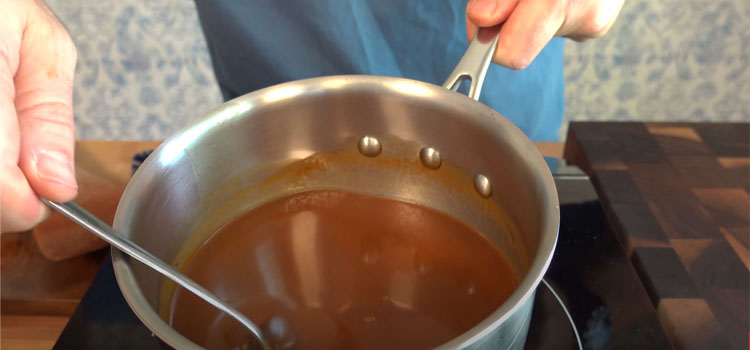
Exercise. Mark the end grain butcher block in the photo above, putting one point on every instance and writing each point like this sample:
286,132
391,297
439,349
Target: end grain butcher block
677,195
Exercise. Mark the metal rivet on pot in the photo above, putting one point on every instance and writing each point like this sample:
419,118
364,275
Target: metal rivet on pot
369,146
430,157
482,185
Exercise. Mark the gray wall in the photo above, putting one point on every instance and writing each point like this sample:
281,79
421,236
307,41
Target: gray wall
144,73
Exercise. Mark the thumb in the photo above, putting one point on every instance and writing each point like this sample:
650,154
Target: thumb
43,101
487,13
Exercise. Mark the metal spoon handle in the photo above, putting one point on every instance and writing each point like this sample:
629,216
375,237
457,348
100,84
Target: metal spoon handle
90,222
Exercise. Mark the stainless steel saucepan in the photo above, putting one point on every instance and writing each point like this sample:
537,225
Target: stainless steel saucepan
389,137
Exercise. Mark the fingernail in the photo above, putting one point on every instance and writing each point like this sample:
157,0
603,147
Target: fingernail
55,166
483,7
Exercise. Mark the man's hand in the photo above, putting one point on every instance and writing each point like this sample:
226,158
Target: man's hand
37,61
528,25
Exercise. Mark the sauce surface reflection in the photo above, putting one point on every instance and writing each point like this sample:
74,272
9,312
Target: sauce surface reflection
337,270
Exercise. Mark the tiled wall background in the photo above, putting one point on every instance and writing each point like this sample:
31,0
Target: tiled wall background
144,72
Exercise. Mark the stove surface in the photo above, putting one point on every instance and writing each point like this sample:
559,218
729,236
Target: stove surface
590,271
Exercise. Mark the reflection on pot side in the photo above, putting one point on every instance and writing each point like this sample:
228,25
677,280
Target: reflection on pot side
345,271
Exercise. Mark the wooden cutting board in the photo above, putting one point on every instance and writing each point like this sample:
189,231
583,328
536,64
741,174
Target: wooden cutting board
34,284
677,196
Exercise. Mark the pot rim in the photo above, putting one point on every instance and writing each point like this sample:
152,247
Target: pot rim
399,86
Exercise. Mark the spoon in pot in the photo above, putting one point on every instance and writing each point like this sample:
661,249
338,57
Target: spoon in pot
90,222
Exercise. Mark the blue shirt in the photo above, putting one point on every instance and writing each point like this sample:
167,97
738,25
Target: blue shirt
259,43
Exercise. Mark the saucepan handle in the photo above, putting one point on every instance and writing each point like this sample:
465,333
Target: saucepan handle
473,65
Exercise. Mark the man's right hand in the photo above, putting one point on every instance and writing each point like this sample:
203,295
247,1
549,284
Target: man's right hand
37,62
528,25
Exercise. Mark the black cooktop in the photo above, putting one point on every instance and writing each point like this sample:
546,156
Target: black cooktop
590,271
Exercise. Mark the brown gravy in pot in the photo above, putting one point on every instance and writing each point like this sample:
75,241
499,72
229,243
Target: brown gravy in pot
344,271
